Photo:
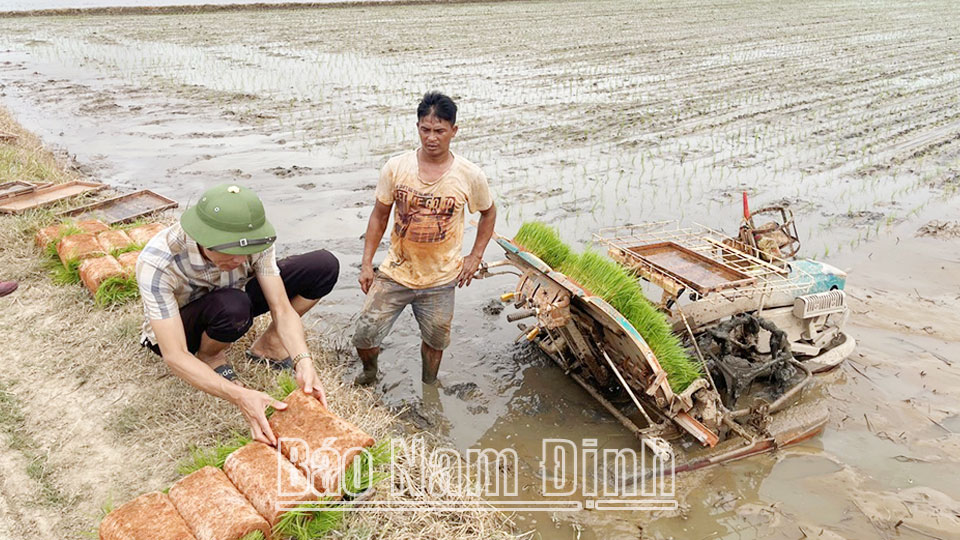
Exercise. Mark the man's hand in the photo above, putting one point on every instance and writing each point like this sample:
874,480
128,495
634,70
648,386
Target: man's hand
308,380
470,265
366,277
253,405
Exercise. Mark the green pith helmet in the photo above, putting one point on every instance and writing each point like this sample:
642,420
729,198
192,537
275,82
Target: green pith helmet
229,219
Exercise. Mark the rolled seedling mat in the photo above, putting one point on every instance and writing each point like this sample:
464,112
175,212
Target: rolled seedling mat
213,508
128,261
148,517
92,226
93,272
79,246
142,234
114,240
49,234
267,479
320,443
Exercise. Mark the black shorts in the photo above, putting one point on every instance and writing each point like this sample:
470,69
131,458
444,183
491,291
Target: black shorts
225,315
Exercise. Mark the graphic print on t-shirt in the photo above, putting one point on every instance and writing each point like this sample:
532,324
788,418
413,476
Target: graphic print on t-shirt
421,217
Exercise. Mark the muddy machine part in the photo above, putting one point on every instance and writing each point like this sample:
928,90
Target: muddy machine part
597,347
734,355
754,320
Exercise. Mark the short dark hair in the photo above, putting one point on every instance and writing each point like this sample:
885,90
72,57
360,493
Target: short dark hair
439,105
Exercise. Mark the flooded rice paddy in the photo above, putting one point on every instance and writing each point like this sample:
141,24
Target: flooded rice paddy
584,115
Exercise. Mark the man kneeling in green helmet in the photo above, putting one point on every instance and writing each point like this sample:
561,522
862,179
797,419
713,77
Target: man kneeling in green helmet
205,279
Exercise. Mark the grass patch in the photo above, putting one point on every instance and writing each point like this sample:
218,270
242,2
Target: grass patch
12,420
255,535
13,423
117,290
18,164
610,281
317,519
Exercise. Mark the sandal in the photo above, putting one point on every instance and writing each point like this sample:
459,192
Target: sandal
285,364
226,371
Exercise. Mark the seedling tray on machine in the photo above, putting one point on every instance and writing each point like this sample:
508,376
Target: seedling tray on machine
46,195
123,209
699,259
696,271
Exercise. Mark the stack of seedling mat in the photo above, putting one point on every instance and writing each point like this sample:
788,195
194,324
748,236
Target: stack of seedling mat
243,501
102,258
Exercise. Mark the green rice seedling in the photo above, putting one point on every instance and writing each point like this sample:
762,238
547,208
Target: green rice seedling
543,241
64,274
316,519
286,384
212,457
117,290
120,251
69,229
610,281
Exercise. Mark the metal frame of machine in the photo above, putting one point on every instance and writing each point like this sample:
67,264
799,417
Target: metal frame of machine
801,301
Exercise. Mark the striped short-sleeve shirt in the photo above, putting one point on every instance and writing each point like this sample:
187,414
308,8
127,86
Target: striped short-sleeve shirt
171,273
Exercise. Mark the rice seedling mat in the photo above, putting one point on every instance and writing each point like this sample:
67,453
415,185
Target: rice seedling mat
238,496
122,209
47,195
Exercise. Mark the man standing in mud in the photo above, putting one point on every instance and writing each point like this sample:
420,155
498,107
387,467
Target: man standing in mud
204,280
428,188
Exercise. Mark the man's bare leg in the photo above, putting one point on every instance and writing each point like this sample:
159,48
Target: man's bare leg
268,345
212,352
368,357
430,359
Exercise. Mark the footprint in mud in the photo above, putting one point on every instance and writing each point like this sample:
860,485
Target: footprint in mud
940,229
307,186
493,307
463,391
287,172
530,405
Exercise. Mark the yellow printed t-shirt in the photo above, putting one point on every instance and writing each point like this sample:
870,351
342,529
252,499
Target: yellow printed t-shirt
427,236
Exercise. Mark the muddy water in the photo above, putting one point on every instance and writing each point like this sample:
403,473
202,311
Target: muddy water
668,114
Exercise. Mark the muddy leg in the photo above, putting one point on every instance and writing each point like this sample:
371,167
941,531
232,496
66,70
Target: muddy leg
430,359
368,357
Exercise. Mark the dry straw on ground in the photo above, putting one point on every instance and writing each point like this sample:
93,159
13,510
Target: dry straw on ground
89,418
